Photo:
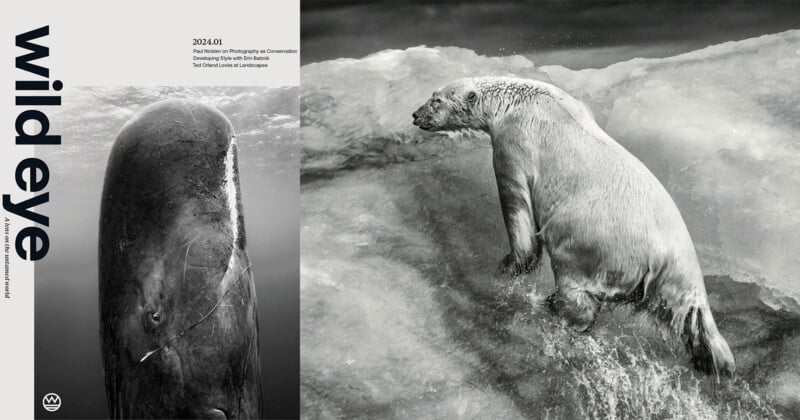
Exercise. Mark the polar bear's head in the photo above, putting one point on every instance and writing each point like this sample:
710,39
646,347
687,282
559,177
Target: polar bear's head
453,107
480,103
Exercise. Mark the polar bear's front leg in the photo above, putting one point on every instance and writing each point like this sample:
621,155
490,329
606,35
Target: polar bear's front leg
515,201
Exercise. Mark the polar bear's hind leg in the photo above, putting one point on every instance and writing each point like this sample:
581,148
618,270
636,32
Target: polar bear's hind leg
577,307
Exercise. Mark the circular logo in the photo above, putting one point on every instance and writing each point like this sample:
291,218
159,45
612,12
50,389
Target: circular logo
51,402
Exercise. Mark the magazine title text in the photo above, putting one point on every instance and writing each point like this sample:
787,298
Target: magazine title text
33,96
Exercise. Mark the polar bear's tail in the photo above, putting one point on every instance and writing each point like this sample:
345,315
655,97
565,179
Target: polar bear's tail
709,350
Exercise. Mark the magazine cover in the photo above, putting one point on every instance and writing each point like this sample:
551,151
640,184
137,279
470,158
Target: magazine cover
150,194
550,209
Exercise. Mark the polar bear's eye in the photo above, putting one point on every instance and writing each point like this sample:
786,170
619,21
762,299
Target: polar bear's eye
472,96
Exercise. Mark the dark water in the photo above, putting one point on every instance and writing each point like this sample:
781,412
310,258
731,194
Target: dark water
577,34
67,325
403,312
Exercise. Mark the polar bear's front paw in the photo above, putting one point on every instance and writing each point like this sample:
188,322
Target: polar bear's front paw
514,266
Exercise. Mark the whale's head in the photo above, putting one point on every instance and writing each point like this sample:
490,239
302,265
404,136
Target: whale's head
177,300
455,106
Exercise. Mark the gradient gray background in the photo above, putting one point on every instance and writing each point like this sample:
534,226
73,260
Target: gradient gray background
67,346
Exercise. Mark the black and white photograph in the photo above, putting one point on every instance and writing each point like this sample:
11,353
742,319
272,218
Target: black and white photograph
171,288
411,209
550,210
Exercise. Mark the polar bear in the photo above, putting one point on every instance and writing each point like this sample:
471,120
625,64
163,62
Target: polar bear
612,231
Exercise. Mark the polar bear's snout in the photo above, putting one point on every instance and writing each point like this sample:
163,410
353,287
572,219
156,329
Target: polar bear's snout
422,117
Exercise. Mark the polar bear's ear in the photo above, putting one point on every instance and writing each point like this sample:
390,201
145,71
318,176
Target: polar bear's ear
472,96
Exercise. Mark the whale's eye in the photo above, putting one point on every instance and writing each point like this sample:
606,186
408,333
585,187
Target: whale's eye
156,316
472,96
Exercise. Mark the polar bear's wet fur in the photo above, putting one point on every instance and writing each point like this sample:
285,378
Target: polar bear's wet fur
612,231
